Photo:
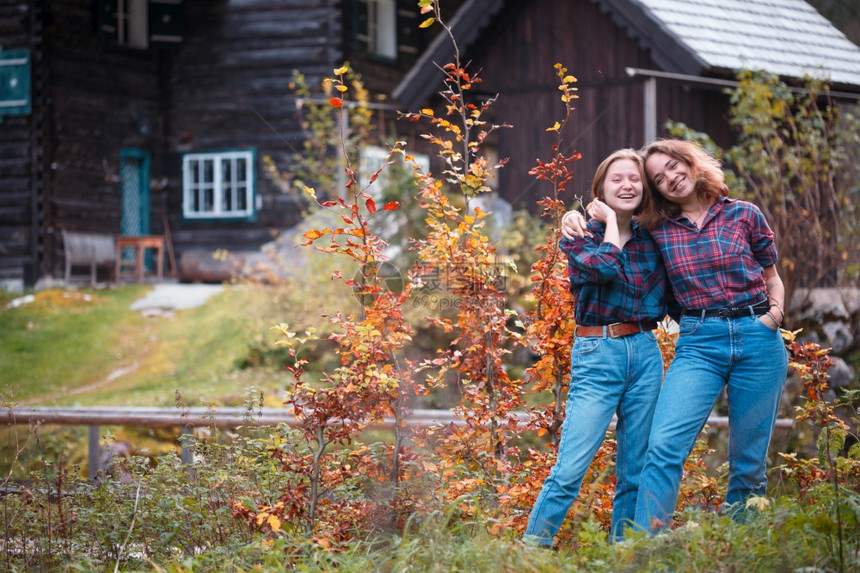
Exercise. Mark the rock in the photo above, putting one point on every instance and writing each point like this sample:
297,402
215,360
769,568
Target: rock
501,213
828,316
202,266
841,375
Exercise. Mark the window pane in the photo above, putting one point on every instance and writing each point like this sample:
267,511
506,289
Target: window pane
132,19
227,202
208,178
208,171
382,28
242,198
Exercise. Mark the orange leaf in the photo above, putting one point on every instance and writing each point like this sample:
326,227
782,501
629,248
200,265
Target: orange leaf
391,206
313,234
336,102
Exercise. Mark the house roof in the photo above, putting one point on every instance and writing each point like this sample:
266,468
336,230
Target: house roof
694,37
785,37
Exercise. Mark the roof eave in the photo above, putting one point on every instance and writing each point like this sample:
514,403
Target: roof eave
669,53
466,26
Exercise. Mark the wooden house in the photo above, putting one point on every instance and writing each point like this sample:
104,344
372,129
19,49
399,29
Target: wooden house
638,64
135,117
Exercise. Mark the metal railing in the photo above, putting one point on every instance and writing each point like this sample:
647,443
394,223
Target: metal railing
222,418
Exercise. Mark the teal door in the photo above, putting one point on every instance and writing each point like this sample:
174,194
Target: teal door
134,180
134,183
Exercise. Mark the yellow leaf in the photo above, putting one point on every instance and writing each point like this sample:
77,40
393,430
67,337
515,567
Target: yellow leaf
274,522
340,71
569,79
427,111
427,23
313,234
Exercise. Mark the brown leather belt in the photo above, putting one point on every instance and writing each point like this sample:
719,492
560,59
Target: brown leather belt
616,329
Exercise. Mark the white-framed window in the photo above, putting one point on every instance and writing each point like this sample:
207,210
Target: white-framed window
373,157
218,185
382,28
141,24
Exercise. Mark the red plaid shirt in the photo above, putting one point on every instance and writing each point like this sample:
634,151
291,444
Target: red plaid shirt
615,285
720,264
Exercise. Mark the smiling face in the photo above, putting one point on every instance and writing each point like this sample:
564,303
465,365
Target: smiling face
671,177
622,186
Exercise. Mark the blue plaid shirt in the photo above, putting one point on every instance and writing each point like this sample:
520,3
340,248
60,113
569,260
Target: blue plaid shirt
612,284
720,264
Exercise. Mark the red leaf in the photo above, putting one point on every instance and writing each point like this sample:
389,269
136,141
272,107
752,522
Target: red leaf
336,102
391,206
371,206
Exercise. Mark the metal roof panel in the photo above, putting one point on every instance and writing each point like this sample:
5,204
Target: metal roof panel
786,37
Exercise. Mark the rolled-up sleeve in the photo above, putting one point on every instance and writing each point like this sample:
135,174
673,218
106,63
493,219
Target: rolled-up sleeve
591,262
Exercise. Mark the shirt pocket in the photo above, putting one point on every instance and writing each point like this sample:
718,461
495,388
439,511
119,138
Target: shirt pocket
732,239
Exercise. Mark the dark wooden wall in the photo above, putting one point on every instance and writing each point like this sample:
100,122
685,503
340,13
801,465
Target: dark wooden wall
516,61
100,99
230,88
21,152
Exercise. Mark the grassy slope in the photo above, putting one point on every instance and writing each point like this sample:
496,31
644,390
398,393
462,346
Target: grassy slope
85,347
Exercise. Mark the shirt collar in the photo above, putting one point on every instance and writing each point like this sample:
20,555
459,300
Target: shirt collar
717,207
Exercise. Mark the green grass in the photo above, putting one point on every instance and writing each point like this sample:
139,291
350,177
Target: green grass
86,347
65,339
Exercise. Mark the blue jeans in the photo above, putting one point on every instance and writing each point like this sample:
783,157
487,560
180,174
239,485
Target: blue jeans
750,359
609,375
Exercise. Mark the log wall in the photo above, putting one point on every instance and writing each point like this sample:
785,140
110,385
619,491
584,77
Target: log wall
21,153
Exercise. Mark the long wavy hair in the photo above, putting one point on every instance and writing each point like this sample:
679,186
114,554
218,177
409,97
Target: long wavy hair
704,169
603,168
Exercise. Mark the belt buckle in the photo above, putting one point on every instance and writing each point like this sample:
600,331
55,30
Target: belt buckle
610,330
725,312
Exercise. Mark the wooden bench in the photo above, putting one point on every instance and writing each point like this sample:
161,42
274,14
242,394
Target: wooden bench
88,249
